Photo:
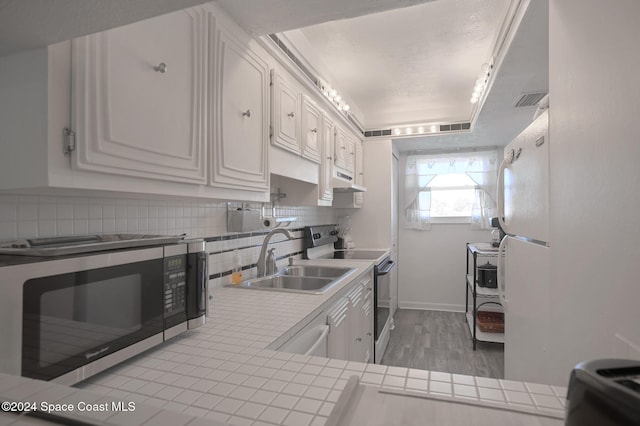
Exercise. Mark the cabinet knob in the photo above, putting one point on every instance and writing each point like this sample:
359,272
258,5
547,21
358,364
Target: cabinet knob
329,158
314,130
369,334
358,339
161,68
291,115
247,113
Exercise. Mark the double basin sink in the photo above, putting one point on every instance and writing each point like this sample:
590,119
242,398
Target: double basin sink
299,279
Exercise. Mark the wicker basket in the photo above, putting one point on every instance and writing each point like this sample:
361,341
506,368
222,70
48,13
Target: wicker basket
490,322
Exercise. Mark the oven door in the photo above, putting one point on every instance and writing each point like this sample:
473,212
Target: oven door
81,317
382,295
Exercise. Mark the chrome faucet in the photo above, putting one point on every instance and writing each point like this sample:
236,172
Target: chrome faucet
262,267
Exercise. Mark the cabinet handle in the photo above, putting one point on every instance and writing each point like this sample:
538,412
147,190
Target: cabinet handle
343,147
247,113
358,339
314,130
161,68
291,115
369,334
329,158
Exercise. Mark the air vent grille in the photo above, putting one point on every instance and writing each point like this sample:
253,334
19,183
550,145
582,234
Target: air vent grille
419,130
295,59
529,99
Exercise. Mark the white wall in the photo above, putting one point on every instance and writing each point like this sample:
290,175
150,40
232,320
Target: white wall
595,176
431,273
432,266
371,224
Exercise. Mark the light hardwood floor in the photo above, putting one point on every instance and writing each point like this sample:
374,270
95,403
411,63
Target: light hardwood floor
441,341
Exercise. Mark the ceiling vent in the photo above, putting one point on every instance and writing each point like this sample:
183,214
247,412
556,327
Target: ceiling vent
529,99
418,130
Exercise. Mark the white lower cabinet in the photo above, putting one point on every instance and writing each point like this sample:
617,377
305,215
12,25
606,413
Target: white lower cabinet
350,322
338,320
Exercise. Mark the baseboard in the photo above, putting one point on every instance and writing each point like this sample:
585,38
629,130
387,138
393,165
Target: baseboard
431,306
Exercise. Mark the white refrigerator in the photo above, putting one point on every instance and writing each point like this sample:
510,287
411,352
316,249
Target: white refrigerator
524,258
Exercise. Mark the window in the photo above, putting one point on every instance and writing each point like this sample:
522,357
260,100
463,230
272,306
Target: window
450,187
452,195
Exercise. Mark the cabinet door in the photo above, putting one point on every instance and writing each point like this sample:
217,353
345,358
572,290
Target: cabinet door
286,116
239,103
367,315
338,339
351,154
311,139
357,344
326,165
340,159
138,108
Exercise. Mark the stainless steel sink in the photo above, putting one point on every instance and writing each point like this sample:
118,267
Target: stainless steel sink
299,279
313,271
289,283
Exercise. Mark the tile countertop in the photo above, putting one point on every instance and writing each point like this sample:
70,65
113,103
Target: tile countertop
226,370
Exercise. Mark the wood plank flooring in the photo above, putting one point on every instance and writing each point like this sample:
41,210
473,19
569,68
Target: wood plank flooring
441,341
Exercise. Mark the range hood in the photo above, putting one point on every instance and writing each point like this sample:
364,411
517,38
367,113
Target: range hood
344,183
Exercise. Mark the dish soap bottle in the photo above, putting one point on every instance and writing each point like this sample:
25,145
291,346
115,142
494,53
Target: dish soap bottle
236,269
271,263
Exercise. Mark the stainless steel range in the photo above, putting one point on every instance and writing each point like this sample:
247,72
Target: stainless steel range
319,244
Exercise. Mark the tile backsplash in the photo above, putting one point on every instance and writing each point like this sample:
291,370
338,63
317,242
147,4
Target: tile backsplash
24,216
28,216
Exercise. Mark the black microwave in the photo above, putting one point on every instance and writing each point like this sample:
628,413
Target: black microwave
67,318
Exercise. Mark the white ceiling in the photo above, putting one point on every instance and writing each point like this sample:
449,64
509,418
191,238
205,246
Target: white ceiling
456,38
439,48
525,69
413,65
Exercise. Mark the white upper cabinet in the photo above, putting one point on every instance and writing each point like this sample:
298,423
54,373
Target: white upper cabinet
350,154
311,127
138,99
358,197
285,114
326,166
340,159
239,104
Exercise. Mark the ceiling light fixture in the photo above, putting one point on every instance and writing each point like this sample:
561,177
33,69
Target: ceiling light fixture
481,82
334,97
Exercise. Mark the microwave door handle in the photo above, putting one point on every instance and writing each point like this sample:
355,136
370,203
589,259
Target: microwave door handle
201,295
388,269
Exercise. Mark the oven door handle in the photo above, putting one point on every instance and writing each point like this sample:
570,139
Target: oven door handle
388,269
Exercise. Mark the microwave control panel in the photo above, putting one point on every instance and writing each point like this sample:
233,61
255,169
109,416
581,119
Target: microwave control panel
175,289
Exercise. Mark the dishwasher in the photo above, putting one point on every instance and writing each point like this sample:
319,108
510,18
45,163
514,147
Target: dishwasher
311,340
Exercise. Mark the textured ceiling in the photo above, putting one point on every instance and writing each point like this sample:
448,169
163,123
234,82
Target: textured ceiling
416,64
262,17
525,69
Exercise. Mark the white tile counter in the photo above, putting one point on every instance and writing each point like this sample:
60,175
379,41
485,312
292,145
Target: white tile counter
226,372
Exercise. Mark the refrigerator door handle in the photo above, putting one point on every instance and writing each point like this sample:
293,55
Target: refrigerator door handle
500,192
500,273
